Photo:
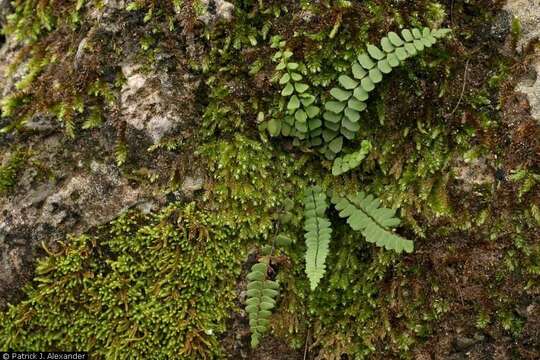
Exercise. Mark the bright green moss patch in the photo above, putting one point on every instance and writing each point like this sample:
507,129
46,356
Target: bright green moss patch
10,169
31,19
147,287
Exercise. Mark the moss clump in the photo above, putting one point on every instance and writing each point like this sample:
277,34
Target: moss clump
158,287
10,170
32,19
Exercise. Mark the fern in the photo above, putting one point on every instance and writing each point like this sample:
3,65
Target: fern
351,161
261,294
365,214
318,233
302,118
342,113
340,119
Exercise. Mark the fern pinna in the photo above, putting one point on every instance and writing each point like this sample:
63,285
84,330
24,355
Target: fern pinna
261,295
364,213
317,235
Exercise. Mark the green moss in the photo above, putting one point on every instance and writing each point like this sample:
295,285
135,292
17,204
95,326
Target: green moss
34,67
10,169
251,181
33,18
158,286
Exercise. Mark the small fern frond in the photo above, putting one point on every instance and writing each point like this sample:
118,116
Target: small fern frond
364,213
317,235
302,115
342,112
261,295
351,161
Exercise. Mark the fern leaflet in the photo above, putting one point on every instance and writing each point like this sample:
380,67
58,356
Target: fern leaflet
317,235
365,214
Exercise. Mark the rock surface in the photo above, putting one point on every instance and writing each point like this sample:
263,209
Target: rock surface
528,14
43,211
149,102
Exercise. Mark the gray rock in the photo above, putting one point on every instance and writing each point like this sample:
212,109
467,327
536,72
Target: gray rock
70,186
462,343
528,14
8,52
501,25
41,123
473,173
216,10
192,184
48,211
146,103
5,8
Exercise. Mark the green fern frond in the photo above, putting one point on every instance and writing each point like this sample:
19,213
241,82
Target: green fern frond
342,113
261,295
364,213
302,115
350,161
317,235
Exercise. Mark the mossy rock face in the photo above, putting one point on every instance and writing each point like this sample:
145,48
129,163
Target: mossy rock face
136,175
